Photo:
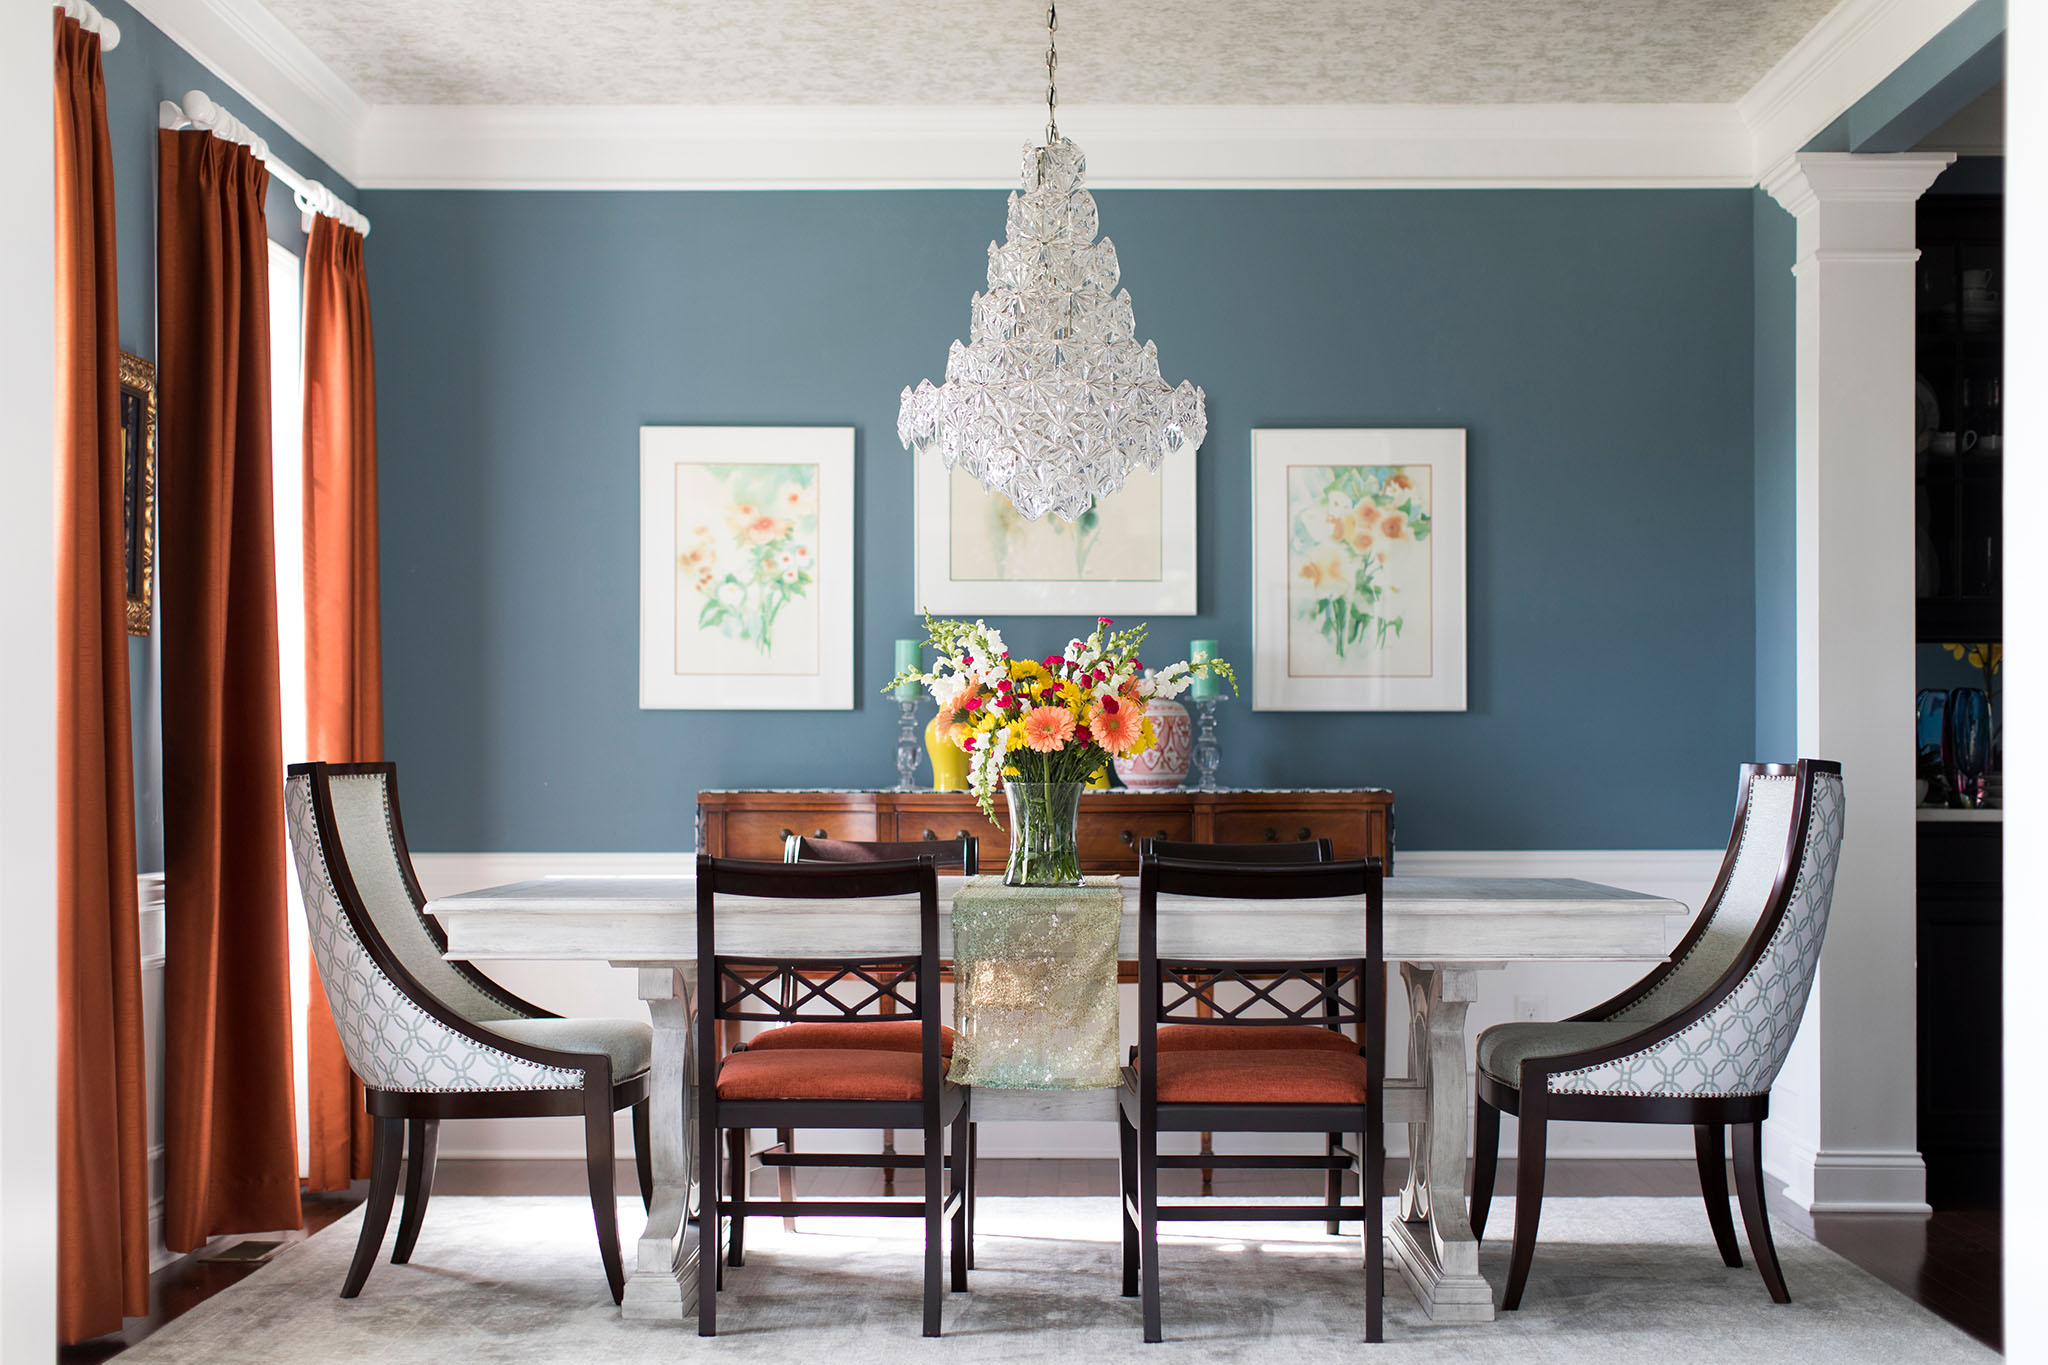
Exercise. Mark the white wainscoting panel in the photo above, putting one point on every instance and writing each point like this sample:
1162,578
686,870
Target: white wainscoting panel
149,898
1537,990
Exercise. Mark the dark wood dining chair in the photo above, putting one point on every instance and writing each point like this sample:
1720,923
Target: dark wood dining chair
1700,1039
433,1039
1176,1036
826,1087
961,855
1288,1068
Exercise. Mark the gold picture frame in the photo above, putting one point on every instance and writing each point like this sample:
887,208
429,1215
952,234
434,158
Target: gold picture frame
138,487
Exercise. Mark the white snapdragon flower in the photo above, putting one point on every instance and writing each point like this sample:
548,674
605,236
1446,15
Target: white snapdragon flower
945,686
1167,683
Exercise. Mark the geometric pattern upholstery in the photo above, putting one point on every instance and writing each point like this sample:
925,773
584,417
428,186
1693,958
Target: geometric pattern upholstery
1738,1046
390,1042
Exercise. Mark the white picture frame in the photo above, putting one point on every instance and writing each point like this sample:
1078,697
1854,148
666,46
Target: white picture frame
1334,588
746,568
1154,514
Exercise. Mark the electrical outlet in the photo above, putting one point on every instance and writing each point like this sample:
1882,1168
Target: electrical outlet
1530,1008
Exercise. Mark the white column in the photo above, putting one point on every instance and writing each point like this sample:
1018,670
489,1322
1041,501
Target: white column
1842,1128
28,696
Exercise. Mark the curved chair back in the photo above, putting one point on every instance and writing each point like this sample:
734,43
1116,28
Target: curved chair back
963,853
396,1033
1733,1034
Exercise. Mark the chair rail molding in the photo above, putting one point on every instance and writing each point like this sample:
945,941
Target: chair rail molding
1843,1129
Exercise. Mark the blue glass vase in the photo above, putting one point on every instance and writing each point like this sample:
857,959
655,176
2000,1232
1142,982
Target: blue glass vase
1969,747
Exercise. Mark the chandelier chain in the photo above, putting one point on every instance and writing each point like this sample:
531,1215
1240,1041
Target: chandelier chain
1052,62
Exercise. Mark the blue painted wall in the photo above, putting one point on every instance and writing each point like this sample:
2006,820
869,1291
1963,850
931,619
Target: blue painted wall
144,70
1774,247
1598,346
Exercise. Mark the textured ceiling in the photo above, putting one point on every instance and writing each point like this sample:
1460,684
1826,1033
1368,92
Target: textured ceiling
992,51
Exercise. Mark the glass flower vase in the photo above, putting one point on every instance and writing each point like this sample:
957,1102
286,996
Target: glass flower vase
1045,833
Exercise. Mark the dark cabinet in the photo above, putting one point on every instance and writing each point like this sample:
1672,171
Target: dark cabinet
1961,963
1959,426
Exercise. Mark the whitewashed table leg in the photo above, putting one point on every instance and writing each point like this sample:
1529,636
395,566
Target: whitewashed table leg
1432,1240
662,1282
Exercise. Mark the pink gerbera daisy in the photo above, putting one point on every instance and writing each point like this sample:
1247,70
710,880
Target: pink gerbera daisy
1048,728
1116,728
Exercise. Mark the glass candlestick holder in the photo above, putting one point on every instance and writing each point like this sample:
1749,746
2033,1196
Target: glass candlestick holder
906,746
1208,754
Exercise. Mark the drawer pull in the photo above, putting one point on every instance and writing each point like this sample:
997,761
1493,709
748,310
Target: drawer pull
789,834
1129,841
817,834
930,837
1272,835
1302,835
960,834
1159,834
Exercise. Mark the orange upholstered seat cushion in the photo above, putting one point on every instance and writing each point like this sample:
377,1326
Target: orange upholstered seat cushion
881,1035
825,1073
1274,1038
1241,1076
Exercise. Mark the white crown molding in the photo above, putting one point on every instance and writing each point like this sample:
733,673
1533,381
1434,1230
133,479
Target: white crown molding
247,46
1834,65
1129,147
731,147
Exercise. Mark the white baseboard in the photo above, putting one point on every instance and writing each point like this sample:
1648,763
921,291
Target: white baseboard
1848,1181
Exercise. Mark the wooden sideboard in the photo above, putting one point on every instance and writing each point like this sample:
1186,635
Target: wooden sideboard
1359,823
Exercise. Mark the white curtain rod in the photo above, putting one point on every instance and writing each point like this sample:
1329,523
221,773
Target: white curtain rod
311,196
92,21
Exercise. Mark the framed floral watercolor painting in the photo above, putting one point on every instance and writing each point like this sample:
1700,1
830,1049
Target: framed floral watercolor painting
1131,553
746,568
1358,570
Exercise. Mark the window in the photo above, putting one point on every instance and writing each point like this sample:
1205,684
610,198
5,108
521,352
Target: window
287,475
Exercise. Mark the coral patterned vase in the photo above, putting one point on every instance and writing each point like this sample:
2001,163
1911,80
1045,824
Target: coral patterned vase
1165,764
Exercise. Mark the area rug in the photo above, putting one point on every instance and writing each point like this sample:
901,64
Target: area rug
517,1279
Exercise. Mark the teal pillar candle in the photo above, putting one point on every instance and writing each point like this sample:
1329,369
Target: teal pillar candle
1206,687
909,654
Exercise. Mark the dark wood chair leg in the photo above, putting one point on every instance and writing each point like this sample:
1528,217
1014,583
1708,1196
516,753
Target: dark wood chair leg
736,1180
1333,1180
599,1157
643,1152
973,1184
387,1138
1749,1191
1148,1229
710,1264
957,1190
1127,1199
1372,1184
785,1177
1713,1162
1528,1202
420,1140
934,1222
1485,1160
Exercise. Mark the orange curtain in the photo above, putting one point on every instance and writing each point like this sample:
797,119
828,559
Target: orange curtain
102,1122
231,1158
344,672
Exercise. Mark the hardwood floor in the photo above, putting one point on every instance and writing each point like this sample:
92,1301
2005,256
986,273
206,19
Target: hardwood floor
1948,1263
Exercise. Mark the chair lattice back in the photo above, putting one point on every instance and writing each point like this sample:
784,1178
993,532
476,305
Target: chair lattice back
1187,994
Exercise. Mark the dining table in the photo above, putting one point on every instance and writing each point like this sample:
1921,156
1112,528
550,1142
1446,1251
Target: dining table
1442,931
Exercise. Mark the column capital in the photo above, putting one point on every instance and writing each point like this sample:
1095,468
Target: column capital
1854,201
1804,180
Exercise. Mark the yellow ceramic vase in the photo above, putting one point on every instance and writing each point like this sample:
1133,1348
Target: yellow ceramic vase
949,761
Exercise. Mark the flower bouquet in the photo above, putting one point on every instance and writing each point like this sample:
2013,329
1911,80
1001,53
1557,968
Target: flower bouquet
1039,728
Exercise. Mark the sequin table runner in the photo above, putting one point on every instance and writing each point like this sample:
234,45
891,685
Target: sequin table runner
1034,984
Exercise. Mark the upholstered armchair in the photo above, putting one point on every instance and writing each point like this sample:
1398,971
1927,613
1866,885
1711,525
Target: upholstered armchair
433,1039
1698,1041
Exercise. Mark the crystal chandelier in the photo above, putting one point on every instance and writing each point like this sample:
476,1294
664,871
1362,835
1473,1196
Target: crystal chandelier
1052,402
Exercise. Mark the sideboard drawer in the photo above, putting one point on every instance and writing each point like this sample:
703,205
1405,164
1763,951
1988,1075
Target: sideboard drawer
1110,839
1346,832
760,833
